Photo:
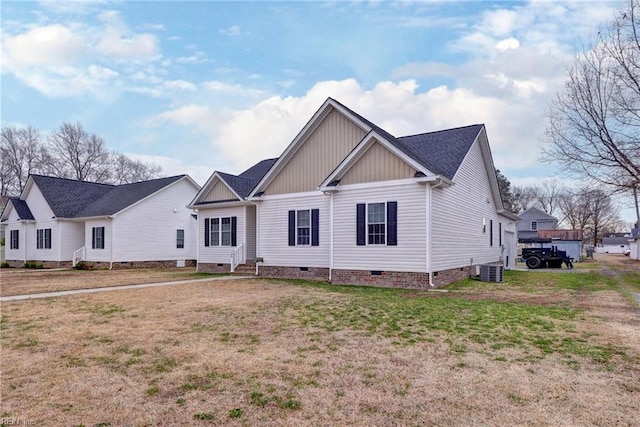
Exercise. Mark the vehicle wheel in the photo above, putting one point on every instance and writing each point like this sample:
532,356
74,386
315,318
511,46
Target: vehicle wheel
533,262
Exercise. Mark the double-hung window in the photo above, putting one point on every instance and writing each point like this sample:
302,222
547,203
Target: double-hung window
534,225
180,239
15,239
97,238
219,231
377,223
304,227
43,238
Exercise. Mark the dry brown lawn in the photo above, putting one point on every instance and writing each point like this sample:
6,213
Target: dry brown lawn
18,281
259,352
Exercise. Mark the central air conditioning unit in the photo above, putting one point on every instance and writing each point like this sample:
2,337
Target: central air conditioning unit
491,273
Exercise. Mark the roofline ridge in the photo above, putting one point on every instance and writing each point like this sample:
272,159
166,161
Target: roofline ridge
441,130
72,180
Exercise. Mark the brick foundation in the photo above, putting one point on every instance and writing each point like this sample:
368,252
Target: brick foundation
311,273
205,267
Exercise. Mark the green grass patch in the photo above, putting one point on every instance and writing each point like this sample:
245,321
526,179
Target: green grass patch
408,317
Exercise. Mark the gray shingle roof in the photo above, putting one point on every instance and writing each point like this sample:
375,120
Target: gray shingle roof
125,195
77,199
245,182
22,209
441,152
67,197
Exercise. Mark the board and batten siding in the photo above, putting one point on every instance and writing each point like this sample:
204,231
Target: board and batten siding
458,213
220,192
221,254
274,225
147,230
410,253
318,156
377,164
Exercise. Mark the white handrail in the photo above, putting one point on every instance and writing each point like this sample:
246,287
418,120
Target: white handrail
237,257
79,255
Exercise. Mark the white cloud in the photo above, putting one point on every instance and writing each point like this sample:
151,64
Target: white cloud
506,44
181,85
244,136
49,45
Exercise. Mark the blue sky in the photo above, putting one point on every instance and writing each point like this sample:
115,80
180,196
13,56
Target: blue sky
201,86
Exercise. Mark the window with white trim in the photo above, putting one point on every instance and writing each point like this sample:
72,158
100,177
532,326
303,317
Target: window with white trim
303,227
220,231
43,238
376,224
534,225
97,238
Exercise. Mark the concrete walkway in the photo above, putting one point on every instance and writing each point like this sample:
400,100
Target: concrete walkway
116,288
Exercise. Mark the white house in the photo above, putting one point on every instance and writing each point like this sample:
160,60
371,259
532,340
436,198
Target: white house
58,222
350,203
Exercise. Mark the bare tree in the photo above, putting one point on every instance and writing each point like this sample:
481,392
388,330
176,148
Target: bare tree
591,210
126,170
593,126
548,195
524,197
22,152
81,155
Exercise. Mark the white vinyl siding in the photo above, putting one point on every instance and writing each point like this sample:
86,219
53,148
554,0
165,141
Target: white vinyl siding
456,239
147,231
274,222
220,254
410,252
98,254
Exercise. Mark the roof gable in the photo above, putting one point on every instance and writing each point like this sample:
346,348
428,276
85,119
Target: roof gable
237,185
19,206
535,214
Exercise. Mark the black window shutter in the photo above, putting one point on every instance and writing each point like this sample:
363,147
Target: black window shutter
490,232
93,238
392,223
207,228
315,227
292,228
234,230
361,224
47,238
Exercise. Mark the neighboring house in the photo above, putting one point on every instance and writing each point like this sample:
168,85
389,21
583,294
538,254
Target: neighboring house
59,221
3,202
350,203
564,240
614,244
533,220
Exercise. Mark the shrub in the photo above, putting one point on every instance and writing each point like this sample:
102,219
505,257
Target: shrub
5,265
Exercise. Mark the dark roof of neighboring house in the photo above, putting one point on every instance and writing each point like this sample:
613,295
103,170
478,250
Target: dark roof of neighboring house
22,209
259,170
441,152
615,240
561,234
536,214
69,198
125,195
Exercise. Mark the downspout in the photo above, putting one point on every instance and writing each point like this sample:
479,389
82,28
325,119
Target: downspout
197,241
113,225
330,235
429,231
257,235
